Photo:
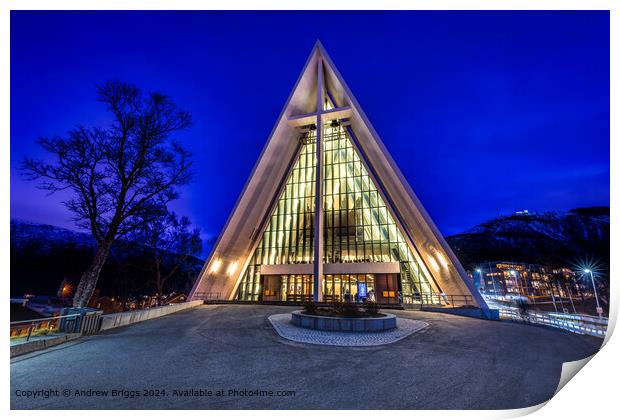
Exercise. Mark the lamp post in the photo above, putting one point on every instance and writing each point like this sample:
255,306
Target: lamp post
479,271
599,310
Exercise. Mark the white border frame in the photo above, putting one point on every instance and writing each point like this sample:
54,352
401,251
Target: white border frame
592,394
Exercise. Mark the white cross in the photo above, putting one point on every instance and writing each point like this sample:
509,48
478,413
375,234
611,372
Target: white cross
318,118
326,115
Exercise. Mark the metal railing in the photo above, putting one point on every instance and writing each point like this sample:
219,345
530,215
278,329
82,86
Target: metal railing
299,298
439,299
208,295
87,322
579,324
397,298
38,327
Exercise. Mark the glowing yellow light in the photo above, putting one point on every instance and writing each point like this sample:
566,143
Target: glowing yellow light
66,290
442,259
433,262
232,268
216,266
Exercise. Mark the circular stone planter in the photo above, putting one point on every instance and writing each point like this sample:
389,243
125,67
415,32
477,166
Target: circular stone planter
343,324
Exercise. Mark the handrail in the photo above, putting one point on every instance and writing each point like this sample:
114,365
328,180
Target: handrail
44,319
82,323
580,324
454,301
445,300
33,325
208,295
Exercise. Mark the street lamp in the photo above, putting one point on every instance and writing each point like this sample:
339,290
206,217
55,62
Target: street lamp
599,310
481,286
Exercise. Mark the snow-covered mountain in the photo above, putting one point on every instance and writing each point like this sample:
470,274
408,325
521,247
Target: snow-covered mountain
23,232
42,256
554,238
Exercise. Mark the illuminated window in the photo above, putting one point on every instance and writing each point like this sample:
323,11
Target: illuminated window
358,227
288,238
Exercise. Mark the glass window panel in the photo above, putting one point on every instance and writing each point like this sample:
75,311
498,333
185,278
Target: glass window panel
358,225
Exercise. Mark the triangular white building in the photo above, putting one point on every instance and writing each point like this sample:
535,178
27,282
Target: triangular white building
370,238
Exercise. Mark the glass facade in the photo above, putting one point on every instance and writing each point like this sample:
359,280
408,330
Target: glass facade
382,288
292,288
358,228
357,224
289,236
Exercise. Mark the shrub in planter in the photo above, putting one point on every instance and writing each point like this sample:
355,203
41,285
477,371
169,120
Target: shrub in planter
336,307
371,308
348,309
310,307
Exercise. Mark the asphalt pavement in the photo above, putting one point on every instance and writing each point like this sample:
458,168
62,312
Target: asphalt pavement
229,357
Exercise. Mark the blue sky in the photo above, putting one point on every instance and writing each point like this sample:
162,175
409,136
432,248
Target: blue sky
484,112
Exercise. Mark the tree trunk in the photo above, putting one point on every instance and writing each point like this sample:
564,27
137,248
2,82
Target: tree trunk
160,290
88,282
158,282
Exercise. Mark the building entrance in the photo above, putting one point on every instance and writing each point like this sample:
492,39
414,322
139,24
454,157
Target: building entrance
380,288
356,288
286,288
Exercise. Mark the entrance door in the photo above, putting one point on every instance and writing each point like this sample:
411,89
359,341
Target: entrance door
387,288
298,288
271,288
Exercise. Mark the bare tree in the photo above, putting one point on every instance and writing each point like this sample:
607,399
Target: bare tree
168,236
120,175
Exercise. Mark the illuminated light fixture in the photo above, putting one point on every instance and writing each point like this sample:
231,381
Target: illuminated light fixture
216,265
232,268
587,271
442,259
433,262
514,273
478,270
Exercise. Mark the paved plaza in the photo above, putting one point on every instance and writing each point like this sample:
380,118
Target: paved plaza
229,356
285,329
